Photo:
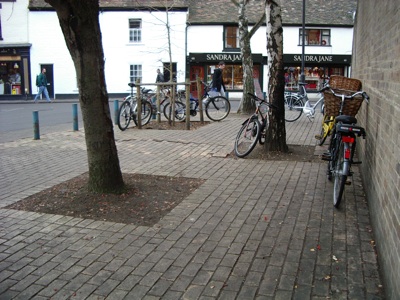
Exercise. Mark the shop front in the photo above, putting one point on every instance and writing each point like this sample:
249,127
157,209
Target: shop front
318,69
202,65
14,71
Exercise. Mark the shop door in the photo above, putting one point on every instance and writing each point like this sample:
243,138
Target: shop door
50,78
195,72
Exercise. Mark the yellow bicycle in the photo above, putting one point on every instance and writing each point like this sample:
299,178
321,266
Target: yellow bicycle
328,123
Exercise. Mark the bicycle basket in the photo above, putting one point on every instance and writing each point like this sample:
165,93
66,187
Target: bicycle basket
332,103
346,86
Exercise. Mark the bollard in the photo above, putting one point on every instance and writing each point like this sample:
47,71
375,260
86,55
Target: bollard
116,109
36,133
75,116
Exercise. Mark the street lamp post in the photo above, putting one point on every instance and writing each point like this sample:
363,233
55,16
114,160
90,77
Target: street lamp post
303,39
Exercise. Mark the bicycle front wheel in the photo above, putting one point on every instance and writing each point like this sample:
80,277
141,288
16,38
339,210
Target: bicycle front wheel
247,137
218,108
146,113
293,107
340,176
124,115
180,111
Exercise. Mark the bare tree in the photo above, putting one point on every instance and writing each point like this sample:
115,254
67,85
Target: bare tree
247,104
276,135
80,25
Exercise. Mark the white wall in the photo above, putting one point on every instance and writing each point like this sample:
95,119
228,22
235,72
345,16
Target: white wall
48,46
14,22
341,41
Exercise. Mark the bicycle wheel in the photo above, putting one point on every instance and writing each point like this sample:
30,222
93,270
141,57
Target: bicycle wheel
180,111
146,113
293,107
326,127
218,108
247,137
333,149
340,176
124,115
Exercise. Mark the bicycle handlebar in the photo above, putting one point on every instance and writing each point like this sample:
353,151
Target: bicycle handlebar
262,100
364,94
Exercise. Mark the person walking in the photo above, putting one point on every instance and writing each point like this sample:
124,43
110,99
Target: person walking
160,76
218,81
41,82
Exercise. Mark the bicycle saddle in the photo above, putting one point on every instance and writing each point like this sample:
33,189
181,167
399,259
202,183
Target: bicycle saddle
131,84
145,91
346,119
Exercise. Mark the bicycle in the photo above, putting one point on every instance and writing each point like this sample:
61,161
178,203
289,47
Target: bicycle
217,108
253,130
128,109
298,103
342,146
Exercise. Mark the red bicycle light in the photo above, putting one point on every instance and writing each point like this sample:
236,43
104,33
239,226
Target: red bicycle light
347,139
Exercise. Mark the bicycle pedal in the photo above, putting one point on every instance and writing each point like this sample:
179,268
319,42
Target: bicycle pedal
318,137
326,157
356,162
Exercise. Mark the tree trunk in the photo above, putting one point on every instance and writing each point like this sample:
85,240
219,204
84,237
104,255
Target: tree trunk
276,135
80,25
247,104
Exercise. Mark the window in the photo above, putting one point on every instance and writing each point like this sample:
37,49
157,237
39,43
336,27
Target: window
135,73
316,37
231,37
135,30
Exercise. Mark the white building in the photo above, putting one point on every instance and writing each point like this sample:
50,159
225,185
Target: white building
202,33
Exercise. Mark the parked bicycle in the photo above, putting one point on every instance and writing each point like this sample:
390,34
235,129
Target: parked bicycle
128,109
298,103
254,129
342,146
217,108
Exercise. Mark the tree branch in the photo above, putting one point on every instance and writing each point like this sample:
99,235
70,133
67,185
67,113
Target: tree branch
257,25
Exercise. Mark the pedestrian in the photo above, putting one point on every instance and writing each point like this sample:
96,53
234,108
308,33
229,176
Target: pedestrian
160,76
218,80
41,82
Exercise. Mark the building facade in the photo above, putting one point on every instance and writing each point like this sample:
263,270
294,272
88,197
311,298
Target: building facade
201,34
14,50
377,64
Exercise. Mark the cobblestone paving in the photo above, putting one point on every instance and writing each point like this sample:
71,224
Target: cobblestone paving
254,230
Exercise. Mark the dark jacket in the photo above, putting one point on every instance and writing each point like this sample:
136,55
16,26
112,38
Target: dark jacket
218,80
42,80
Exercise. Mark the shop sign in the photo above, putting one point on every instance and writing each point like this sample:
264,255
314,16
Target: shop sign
216,57
224,57
318,58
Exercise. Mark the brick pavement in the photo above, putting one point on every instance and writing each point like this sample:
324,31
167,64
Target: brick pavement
254,230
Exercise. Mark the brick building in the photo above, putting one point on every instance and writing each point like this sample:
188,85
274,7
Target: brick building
376,62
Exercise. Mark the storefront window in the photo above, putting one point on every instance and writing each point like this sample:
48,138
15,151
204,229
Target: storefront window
10,77
233,75
315,77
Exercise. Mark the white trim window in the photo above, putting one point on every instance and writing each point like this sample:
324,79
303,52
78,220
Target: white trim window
135,73
135,30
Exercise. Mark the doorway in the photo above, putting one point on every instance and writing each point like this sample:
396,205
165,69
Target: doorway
50,78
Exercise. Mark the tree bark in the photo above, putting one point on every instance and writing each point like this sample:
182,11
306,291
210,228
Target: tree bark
276,134
247,104
80,25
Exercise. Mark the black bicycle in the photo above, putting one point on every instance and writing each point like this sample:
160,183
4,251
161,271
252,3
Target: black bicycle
128,109
216,106
254,129
342,147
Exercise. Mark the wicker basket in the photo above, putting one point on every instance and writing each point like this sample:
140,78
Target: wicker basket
332,103
342,85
